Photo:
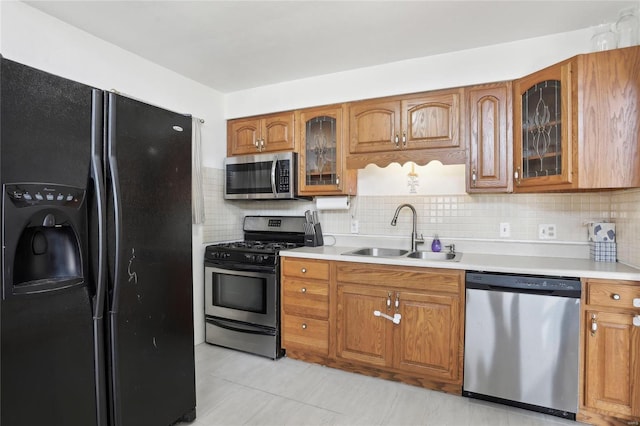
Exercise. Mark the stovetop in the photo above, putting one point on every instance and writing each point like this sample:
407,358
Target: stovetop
264,237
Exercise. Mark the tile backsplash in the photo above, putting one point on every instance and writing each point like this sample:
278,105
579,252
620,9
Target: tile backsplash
449,216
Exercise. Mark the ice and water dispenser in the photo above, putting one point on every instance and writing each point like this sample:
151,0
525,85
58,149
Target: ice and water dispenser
44,250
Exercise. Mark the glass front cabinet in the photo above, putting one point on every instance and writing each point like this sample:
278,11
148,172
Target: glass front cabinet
543,119
322,170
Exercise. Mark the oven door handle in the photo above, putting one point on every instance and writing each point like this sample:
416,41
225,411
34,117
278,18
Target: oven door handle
273,175
224,324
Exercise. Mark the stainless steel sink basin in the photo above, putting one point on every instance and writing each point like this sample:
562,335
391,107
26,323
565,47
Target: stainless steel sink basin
391,252
377,252
430,255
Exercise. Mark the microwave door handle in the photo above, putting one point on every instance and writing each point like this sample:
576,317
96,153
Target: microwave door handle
273,175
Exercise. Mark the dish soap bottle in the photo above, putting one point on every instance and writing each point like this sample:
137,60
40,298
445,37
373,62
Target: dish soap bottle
435,245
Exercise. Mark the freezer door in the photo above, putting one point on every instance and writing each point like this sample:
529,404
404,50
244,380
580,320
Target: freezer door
150,296
46,303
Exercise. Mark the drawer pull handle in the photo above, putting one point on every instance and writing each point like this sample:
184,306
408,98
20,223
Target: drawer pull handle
636,302
304,290
636,320
615,296
304,326
303,270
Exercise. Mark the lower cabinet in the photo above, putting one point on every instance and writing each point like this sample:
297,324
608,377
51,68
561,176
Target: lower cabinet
393,322
305,307
404,321
611,353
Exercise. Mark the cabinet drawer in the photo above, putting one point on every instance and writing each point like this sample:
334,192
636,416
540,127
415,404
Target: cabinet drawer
305,333
305,268
616,294
306,298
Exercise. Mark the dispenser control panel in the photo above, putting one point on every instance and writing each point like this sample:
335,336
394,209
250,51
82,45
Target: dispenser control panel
36,194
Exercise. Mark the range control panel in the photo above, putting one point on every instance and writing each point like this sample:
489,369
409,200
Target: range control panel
38,194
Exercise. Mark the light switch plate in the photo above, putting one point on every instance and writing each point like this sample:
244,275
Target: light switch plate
505,229
355,226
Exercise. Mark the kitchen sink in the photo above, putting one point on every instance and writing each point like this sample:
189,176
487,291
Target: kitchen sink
430,255
391,252
377,252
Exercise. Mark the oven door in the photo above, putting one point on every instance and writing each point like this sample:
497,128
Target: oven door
246,296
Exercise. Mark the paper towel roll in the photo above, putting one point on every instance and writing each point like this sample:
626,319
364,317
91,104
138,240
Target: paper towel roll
332,203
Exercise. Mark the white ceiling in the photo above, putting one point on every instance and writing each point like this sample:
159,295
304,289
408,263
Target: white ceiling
236,45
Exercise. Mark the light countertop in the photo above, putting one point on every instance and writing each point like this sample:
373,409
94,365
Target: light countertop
532,265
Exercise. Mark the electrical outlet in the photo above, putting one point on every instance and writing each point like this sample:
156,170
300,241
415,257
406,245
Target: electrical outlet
355,226
547,232
505,229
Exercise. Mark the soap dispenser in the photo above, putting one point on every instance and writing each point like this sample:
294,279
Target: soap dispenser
435,245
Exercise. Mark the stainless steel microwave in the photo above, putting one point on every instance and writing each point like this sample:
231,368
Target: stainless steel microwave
261,177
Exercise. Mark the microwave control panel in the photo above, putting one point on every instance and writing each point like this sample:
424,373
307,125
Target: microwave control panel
282,182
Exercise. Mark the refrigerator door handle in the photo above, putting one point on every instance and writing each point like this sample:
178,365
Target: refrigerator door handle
99,184
115,193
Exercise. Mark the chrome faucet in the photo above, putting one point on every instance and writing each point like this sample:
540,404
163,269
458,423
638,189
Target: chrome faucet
414,235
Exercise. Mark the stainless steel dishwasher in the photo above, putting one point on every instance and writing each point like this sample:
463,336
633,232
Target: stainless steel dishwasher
522,341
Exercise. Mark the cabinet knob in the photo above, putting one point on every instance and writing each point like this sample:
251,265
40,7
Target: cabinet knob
303,290
516,175
338,180
404,139
304,326
594,324
303,270
636,320
396,140
636,302
615,296
474,177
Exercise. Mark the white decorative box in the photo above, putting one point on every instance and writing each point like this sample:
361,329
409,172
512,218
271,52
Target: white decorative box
602,232
603,251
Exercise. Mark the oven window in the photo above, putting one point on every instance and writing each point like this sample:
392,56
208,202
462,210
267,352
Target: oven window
239,292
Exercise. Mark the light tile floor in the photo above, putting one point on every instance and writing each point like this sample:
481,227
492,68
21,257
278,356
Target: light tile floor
234,388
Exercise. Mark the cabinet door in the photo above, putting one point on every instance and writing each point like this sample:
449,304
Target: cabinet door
612,363
374,126
431,121
427,339
361,336
243,136
321,160
277,133
542,110
490,138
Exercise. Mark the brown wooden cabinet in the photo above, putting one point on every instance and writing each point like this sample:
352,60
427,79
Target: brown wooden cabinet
305,307
611,353
489,129
576,124
321,163
418,128
426,345
268,133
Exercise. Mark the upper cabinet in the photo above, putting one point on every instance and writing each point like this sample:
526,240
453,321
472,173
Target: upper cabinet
543,148
576,124
321,163
417,128
489,130
268,133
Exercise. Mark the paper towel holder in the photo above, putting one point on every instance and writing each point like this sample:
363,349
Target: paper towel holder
333,202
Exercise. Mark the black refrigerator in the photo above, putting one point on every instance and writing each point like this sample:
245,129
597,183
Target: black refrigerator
96,310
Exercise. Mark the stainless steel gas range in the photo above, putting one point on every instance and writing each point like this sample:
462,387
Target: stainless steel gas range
242,285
